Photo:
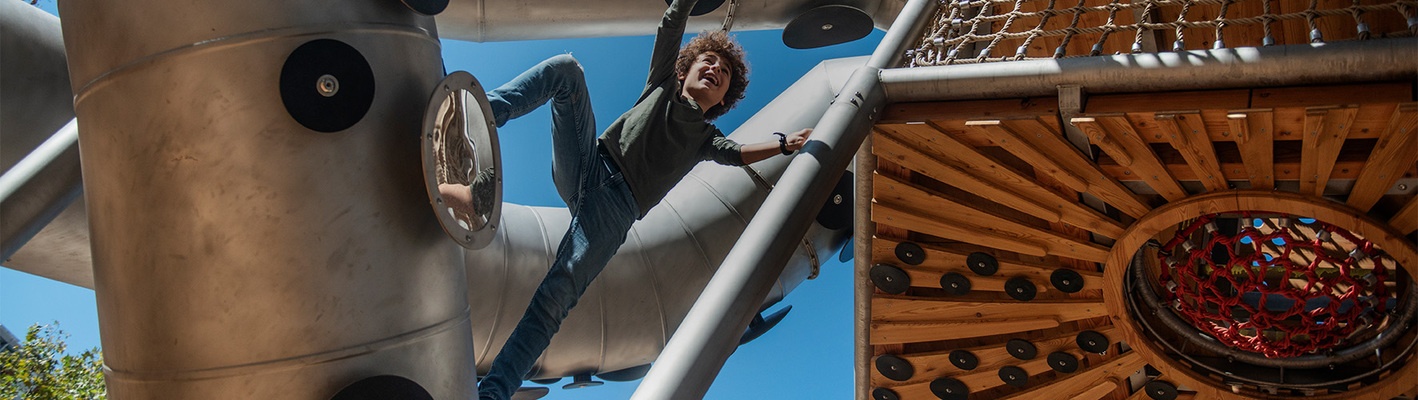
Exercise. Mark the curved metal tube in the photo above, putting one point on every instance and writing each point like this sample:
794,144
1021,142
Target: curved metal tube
495,21
630,311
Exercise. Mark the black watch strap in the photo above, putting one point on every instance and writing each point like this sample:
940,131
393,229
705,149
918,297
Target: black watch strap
783,144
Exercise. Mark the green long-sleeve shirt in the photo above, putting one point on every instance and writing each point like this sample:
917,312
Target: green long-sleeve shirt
663,136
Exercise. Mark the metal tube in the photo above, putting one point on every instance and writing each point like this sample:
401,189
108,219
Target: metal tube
864,230
30,166
1369,60
709,333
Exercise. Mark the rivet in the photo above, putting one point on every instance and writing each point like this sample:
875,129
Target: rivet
327,85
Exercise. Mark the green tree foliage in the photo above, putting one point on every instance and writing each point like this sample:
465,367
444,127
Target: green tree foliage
39,369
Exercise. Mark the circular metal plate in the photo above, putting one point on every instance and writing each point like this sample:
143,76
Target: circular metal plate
1014,376
426,7
836,213
884,394
827,25
1093,342
950,389
383,387
955,283
701,8
1160,390
1021,349
326,85
461,157
1063,362
894,368
910,253
1066,280
964,360
1020,288
889,278
982,263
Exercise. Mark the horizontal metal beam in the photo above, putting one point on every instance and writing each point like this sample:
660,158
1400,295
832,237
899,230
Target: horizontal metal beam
1370,60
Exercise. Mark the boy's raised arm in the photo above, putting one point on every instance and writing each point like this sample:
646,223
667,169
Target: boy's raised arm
662,60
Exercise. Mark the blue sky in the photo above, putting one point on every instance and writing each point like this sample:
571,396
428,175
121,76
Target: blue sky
808,356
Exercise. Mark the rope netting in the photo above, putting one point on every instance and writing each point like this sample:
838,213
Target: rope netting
1280,286
970,31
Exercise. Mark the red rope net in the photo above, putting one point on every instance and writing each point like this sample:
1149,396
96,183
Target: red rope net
1281,286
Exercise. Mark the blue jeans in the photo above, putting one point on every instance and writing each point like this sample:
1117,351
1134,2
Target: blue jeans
602,210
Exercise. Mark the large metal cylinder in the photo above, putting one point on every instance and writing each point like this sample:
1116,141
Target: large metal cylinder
237,253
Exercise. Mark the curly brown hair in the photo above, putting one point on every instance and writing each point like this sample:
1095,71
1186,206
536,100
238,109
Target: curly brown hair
731,55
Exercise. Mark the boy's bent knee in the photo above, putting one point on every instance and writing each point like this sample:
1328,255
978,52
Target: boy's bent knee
565,63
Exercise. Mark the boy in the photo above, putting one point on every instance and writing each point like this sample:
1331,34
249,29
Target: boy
611,182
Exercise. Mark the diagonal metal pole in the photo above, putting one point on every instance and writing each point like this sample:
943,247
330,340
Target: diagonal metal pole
710,332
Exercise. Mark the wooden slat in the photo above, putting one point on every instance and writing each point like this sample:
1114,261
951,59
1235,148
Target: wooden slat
1154,102
1053,145
892,216
1256,132
894,195
967,169
940,262
890,332
1331,95
1011,141
1189,136
1099,391
898,308
1122,366
977,380
1406,219
897,113
1145,164
1395,152
991,357
1103,140
1325,132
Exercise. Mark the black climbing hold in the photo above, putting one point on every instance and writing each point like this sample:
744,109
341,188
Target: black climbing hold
1020,288
955,283
1063,362
702,7
884,394
1066,280
910,253
1014,376
982,263
950,389
546,381
964,360
836,213
1021,349
623,375
426,7
581,381
326,85
894,368
1093,342
383,387
827,25
889,278
1160,390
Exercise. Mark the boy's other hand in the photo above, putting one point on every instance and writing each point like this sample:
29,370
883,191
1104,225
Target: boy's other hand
796,140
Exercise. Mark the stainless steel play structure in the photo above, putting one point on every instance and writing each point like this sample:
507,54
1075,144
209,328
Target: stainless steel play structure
250,214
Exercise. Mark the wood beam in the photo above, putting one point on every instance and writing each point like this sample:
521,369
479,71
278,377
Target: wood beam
1122,366
1395,153
1255,136
1144,162
1012,142
939,262
1053,144
899,113
1405,221
1187,134
1325,132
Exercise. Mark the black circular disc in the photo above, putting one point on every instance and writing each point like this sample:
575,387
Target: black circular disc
1014,376
889,278
343,69
982,263
894,368
836,213
950,389
702,7
827,25
964,360
1063,362
955,283
1020,288
1021,349
383,387
426,7
547,381
910,253
1160,390
1066,280
1093,342
884,394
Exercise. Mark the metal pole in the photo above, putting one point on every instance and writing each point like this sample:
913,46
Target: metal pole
30,166
710,332
1369,60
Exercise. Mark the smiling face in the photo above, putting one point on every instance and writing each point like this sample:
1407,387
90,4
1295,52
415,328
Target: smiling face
707,80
